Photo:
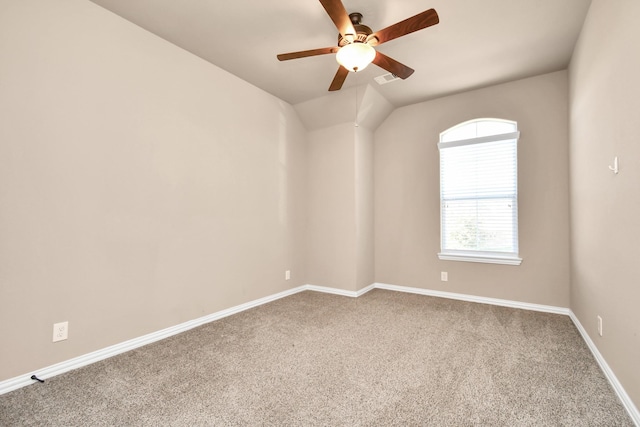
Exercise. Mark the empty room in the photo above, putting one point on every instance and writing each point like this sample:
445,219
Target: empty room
319,212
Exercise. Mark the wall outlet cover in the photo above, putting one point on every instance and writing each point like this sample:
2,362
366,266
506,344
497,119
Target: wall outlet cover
60,331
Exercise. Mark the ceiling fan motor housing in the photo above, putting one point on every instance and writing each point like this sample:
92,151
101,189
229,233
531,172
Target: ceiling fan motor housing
362,32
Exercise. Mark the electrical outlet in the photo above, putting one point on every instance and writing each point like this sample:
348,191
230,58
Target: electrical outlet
60,331
444,276
287,275
599,325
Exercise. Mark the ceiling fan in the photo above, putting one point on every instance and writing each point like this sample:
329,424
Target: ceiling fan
356,41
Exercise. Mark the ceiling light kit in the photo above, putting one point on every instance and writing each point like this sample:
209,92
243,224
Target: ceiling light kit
355,56
356,42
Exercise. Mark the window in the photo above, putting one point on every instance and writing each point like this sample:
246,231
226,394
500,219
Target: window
479,192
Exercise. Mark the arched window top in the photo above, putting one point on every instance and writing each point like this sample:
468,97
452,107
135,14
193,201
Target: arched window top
478,128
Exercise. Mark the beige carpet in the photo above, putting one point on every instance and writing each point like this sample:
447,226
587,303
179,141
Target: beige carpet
385,358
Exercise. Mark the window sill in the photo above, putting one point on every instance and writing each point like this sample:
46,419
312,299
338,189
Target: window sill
487,259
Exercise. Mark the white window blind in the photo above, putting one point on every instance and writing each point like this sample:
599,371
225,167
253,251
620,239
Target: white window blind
479,192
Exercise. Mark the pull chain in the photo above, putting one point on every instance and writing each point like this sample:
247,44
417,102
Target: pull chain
356,120
357,81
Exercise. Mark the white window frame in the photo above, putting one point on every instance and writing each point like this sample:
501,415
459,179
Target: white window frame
474,255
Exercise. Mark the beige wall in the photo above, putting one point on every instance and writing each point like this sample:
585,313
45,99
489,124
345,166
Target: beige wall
340,207
605,208
365,269
331,208
140,187
407,209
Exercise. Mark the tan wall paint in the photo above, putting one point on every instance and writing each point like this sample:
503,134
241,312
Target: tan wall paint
331,209
365,269
340,207
605,208
407,209
140,187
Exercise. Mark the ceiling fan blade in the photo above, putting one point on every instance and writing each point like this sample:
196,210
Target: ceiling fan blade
392,66
408,26
305,53
339,79
339,16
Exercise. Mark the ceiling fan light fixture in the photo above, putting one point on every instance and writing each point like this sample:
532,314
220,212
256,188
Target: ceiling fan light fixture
356,56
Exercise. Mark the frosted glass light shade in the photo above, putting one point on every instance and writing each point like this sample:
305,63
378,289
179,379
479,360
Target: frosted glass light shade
355,56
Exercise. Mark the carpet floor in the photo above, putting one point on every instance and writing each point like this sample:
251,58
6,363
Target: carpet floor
383,359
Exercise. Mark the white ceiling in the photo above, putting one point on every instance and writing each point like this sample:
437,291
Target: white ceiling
476,44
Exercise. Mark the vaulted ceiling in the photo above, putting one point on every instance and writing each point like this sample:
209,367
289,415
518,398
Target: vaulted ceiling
476,43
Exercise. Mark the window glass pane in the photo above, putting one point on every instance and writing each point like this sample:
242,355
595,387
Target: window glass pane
495,127
479,189
478,128
458,133
480,225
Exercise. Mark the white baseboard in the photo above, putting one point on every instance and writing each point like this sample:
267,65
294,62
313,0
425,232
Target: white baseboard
474,298
613,380
367,289
77,362
333,291
336,291
86,359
